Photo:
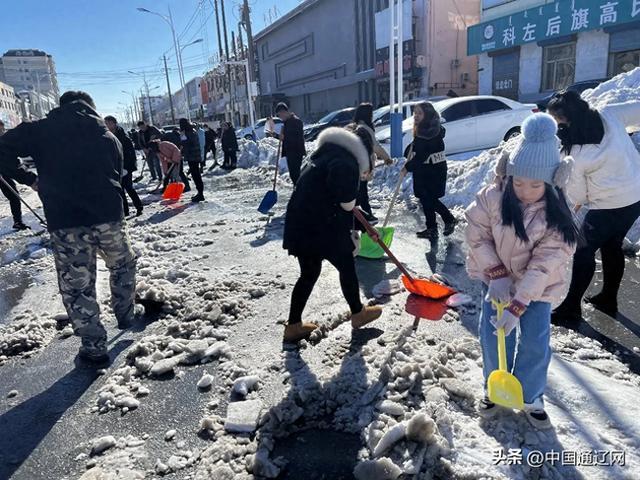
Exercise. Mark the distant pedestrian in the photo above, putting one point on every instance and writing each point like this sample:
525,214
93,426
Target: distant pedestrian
428,164
292,137
202,143
210,137
148,133
363,117
130,165
191,153
606,180
80,166
9,189
229,146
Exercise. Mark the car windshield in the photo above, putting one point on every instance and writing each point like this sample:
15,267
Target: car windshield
379,113
327,118
261,123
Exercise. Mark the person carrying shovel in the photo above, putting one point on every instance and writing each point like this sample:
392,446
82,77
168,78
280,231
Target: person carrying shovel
319,224
521,235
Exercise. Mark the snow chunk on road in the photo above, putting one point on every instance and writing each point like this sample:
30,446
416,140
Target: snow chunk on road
102,444
205,382
381,469
242,417
243,385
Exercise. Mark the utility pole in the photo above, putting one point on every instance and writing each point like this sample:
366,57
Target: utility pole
246,21
226,52
215,6
166,72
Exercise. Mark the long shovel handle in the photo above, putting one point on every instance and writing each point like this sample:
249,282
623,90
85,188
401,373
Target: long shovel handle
275,176
6,184
393,199
502,343
373,234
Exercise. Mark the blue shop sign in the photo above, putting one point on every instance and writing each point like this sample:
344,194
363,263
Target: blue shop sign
564,17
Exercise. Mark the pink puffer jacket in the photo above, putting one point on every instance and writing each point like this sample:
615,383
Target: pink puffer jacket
539,268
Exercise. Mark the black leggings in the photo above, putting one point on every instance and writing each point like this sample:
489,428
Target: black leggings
127,186
431,206
310,268
294,164
230,159
363,198
14,201
602,230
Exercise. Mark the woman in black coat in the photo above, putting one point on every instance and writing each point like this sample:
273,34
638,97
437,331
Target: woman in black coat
319,222
229,147
191,154
428,164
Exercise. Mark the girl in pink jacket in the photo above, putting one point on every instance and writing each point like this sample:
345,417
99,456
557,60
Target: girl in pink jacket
521,235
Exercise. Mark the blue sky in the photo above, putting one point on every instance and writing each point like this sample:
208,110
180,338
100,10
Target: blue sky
95,42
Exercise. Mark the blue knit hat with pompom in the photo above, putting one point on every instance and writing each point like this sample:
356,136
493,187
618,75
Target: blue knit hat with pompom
537,156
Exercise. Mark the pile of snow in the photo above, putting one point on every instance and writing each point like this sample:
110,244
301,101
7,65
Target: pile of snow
254,154
27,332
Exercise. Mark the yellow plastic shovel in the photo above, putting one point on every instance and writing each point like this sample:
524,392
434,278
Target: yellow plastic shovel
504,388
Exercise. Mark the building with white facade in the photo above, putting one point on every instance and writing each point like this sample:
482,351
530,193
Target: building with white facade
529,48
30,70
10,113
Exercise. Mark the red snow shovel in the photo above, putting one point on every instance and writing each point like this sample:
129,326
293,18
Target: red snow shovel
271,197
174,190
419,286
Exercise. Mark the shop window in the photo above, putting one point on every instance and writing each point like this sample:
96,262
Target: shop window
558,66
622,62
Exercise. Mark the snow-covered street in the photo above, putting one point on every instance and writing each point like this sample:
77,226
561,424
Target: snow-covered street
396,400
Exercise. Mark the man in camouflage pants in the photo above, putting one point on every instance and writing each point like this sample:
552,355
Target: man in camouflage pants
75,252
79,164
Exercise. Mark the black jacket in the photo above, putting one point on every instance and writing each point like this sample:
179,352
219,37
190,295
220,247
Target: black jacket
79,164
316,224
174,137
293,143
191,147
128,151
210,139
429,179
229,140
151,133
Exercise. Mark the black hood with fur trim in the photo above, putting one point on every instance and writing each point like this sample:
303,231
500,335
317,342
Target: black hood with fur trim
316,224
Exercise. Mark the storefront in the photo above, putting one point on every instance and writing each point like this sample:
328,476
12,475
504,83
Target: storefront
526,53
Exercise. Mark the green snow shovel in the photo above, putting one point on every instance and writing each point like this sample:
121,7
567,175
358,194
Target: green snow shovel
504,388
368,247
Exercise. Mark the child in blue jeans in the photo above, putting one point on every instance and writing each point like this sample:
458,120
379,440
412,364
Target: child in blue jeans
521,236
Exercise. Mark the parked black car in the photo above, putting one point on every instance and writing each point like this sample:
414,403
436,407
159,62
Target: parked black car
339,118
576,87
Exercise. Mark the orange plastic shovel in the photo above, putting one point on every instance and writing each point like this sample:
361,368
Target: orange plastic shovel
419,286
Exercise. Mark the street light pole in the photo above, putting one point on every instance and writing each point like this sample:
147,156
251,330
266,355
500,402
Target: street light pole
166,72
245,63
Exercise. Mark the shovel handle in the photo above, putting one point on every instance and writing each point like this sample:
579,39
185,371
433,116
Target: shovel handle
393,199
13,190
275,176
373,234
502,343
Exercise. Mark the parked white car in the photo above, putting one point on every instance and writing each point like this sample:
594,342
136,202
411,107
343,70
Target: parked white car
382,115
257,131
473,123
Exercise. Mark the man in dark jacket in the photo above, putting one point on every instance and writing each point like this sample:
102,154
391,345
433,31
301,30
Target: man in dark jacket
130,165
292,138
148,133
79,163
8,188
191,152
229,146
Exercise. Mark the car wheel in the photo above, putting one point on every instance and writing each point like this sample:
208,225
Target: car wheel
514,132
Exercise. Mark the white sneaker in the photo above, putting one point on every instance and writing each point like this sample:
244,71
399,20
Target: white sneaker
536,415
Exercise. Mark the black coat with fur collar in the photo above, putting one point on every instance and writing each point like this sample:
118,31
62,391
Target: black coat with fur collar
316,224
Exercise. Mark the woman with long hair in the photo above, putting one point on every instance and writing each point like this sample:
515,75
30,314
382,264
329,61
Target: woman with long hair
428,164
191,153
606,180
521,236
363,117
